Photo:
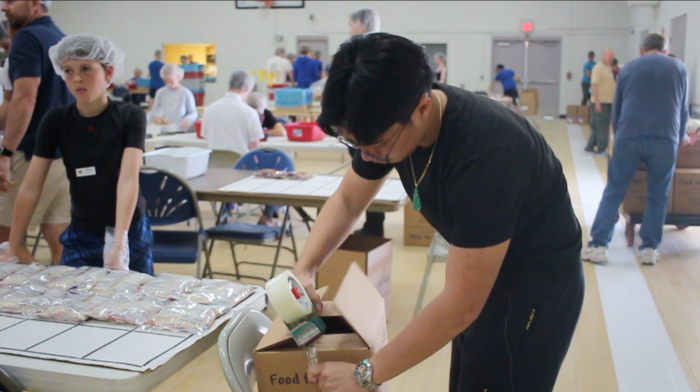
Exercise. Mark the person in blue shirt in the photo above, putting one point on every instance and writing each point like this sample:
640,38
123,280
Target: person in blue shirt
306,69
317,57
508,80
586,81
649,120
156,81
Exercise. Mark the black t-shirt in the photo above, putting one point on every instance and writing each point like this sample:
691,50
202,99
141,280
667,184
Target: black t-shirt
268,120
492,178
92,150
30,58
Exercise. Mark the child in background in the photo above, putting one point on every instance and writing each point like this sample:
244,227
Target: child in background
102,143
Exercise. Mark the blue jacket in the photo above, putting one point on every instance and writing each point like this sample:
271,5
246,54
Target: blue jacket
306,71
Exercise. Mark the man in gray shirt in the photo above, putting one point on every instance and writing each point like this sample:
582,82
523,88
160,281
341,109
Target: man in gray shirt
649,119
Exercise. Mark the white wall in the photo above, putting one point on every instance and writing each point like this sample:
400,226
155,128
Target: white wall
669,10
245,38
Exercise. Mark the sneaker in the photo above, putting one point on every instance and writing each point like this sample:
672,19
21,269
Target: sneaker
595,254
649,256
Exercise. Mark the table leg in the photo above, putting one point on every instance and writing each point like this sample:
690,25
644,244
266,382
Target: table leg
279,243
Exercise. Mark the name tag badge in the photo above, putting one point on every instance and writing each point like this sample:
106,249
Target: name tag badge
85,172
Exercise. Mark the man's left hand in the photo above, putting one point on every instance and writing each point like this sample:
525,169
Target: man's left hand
335,377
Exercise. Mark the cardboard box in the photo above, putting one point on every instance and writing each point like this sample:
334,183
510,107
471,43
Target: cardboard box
572,114
636,199
372,254
584,114
688,157
356,329
530,99
686,192
416,229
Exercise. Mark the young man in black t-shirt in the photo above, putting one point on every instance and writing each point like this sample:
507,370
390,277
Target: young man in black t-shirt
102,144
490,185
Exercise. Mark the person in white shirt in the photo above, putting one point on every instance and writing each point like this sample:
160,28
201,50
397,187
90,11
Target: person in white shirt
173,104
232,128
5,40
280,67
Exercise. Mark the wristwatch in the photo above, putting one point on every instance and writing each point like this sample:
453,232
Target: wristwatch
363,376
6,152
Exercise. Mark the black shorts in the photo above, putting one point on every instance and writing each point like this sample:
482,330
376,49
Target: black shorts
522,335
152,92
513,93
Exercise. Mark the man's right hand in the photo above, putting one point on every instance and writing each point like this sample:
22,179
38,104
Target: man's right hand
598,107
5,175
307,280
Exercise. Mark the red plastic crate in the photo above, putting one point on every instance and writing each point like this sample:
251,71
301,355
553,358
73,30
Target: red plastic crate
304,132
198,128
271,90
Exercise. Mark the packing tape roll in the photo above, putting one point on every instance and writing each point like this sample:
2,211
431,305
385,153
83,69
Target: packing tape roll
281,294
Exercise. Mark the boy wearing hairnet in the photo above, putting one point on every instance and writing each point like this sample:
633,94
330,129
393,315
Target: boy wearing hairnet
173,103
102,143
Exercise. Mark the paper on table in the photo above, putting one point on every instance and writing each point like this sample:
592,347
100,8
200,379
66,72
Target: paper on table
318,186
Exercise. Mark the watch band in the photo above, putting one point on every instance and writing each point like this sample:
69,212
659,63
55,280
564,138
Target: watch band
6,152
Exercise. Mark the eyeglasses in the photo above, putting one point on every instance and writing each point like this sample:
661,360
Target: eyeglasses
350,144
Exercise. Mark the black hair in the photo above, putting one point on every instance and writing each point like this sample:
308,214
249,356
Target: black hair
374,81
500,67
591,54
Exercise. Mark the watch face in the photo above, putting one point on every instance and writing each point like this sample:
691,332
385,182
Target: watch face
362,372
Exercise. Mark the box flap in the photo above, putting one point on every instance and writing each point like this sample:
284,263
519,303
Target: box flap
359,302
278,332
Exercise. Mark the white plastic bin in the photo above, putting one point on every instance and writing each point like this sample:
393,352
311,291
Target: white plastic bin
186,162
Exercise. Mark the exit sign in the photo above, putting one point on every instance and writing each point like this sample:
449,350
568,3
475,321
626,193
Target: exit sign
527,26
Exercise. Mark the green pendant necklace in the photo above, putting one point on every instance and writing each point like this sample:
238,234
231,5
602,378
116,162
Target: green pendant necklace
416,196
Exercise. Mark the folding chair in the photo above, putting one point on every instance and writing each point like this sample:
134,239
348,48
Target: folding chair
236,345
169,201
236,233
437,253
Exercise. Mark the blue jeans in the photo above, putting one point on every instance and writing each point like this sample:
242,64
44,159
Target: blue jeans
659,157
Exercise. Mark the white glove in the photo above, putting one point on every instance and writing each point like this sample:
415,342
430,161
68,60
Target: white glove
116,251
6,254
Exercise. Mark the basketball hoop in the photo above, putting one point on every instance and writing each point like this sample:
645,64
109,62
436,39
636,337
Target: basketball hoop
266,4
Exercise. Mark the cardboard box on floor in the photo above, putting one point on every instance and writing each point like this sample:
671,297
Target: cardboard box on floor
636,199
372,254
688,157
416,229
530,99
686,192
356,329
584,114
572,114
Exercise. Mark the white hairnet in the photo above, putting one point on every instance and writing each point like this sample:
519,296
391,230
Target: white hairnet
87,47
171,69
47,3
257,100
369,18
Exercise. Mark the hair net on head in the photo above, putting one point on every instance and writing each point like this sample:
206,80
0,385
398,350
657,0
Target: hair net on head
47,3
257,100
87,47
241,80
171,69
442,57
369,17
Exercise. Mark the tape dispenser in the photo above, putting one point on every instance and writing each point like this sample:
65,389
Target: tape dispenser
291,302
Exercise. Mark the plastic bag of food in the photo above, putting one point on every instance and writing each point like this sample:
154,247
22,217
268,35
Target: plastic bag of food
170,286
86,281
14,301
35,305
50,273
65,309
125,282
132,312
7,269
5,254
94,307
22,276
183,316
221,292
